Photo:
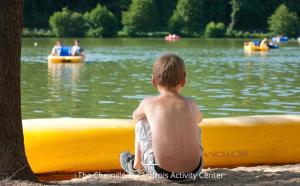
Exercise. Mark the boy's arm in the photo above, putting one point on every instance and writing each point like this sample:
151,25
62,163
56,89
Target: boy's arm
53,51
198,115
139,113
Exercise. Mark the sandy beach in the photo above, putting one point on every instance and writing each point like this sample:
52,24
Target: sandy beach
260,175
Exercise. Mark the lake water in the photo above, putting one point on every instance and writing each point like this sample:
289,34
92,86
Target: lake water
223,80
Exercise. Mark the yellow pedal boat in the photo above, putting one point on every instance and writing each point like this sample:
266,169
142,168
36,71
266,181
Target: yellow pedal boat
66,59
251,47
74,145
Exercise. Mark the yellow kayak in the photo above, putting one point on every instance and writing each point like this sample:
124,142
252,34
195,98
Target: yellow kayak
251,47
74,145
66,59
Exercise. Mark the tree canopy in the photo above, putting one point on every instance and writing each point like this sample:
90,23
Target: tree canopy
67,23
141,17
284,22
101,22
214,30
186,17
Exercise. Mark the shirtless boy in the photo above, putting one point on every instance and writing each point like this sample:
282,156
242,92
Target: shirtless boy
56,49
168,139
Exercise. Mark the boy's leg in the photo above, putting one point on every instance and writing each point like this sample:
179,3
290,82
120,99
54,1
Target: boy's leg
132,163
138,155
143,148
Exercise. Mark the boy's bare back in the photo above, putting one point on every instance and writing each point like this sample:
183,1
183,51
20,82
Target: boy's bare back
174,121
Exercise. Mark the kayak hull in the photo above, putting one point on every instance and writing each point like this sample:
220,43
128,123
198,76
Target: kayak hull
74,145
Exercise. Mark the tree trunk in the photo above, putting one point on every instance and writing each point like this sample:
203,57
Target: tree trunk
13,162
235,6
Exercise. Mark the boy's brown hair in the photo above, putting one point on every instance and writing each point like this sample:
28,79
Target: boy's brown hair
168,70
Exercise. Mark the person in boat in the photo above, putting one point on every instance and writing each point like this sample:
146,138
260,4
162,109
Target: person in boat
272,44
76,49
264,42
167,135
56,49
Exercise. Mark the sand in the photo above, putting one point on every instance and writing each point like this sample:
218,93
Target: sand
260,175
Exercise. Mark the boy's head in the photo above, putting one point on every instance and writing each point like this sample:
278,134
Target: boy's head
58,42
76,42
168,71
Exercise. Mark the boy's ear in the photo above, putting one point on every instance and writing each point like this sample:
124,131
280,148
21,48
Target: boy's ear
154,82
182,82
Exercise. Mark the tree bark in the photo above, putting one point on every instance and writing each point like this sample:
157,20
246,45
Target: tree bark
13,162
235,6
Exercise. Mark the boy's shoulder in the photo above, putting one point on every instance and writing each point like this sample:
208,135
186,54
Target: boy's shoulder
151,99
148,99
190,101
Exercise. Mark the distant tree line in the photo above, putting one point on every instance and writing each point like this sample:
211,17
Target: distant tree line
211,18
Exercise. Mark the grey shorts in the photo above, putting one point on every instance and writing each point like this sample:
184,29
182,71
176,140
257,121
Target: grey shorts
144,136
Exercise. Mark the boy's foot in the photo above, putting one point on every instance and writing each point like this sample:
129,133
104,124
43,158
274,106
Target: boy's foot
127,160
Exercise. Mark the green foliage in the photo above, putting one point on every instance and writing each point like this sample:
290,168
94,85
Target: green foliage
247,34
141,17
101,22
146,34
27,32
259,35
38,12
67,24
284,22
165,9
216,11
253,14
214,29
241,34
187,18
